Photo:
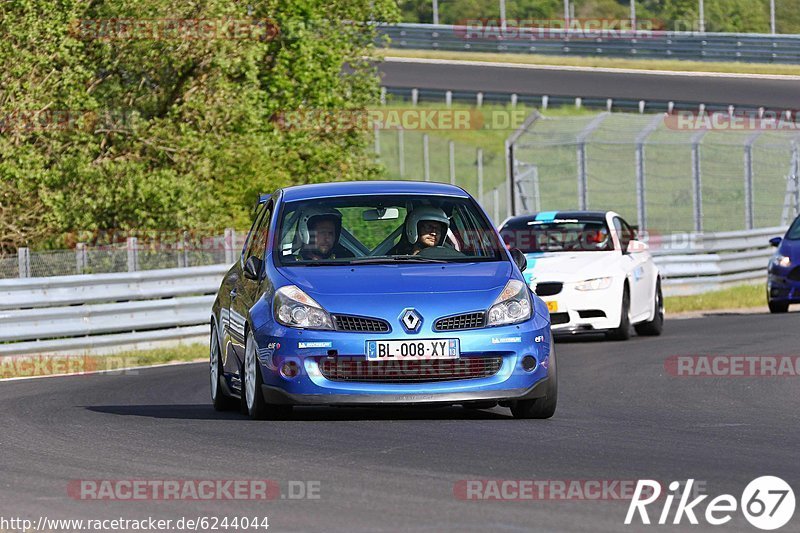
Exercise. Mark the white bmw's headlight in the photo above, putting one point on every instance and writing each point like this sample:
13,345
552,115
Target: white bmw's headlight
594,284
296,309
512,306
782,261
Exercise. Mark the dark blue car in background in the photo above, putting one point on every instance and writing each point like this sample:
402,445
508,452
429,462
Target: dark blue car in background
379,293
783,280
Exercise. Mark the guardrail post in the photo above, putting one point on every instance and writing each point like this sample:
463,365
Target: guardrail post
426,157
230,245
545,102
414,97
452,149
401,153
383,95
514,100
479,99
448,98
24,259
81,258
132,246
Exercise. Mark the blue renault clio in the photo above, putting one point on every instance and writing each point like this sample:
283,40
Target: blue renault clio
378,293
783,278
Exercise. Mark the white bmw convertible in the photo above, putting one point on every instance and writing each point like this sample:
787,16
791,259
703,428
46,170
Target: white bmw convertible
591,271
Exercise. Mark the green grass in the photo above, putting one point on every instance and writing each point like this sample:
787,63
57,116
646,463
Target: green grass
39,365
739,297
601,62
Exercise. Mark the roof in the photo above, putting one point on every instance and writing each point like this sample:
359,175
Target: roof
544,216
357,188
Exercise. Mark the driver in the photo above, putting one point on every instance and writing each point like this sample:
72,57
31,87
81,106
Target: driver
424,228
318,231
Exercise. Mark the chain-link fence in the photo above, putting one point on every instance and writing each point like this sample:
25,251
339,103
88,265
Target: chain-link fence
670,173
132,255
416,155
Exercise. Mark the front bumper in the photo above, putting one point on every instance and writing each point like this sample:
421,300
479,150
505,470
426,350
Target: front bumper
574,311
307,348
782,289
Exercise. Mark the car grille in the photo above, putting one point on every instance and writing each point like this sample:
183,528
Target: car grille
360,324
356,369
459,322
548,289
559,318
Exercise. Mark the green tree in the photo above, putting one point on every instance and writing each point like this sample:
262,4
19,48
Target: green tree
175,132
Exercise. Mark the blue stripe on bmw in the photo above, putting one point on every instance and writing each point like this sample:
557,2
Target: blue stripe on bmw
546,216
528,274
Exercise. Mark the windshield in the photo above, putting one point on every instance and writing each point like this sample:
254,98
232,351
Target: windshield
794,232
384,229
567,235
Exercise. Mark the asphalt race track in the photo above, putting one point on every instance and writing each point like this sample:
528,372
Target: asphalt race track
776,94
620,417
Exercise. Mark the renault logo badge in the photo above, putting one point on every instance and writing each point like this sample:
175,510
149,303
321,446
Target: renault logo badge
411,320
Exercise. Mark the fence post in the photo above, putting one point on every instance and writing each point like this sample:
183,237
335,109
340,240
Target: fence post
697,188
132,245
230,245
582,180
401,153
452,149
81,258
748,181
426,157
641,191
480,174
24,258
496,205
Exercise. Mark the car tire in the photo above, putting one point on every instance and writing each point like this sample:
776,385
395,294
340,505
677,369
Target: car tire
778,307
252,397
653,328
220,400
623,332
541,407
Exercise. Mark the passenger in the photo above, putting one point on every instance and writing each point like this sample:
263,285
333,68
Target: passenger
424,228
318,231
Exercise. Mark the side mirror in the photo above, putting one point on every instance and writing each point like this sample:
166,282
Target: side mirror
775,241
637,246
519,259
252,268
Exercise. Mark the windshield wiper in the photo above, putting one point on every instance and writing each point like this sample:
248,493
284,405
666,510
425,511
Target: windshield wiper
395,259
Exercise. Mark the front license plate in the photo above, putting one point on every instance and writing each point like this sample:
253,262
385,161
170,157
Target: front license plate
552,306
407,350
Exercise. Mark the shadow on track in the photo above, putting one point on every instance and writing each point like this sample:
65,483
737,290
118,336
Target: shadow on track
206,412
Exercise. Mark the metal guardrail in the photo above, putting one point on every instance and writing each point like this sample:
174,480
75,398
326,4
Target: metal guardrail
103,313
698,263
106,313
749,47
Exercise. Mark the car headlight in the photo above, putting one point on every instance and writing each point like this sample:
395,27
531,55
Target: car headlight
593,284
296,309
782,261
512,306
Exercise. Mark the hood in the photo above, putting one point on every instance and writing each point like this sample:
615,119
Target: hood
569,266
384,291
377,280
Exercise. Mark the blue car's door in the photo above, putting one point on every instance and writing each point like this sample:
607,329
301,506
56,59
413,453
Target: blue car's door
245,292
